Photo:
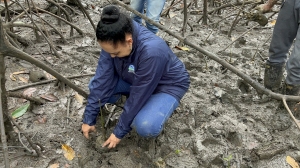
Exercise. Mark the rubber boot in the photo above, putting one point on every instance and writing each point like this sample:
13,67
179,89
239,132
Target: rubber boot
295,91
273,76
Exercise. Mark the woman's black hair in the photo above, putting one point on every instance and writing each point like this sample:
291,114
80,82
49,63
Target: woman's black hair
113,25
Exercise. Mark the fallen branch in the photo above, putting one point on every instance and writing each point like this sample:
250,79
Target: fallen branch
22,96
47,81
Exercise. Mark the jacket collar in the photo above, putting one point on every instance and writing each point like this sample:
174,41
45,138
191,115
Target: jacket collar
136,29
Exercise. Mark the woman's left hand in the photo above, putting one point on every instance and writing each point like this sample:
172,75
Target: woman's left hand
112,141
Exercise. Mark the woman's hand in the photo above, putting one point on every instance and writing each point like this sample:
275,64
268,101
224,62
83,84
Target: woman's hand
112,141
86,129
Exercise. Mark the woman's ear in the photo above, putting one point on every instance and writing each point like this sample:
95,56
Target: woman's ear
129,39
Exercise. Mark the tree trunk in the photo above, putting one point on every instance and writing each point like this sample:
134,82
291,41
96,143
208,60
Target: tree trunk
205,14
7,123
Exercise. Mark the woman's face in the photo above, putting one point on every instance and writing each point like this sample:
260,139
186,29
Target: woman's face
120,49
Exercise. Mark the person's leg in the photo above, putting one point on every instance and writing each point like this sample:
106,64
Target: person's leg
153,11
151,118
293,63
122,88
137,5
284,33
292,82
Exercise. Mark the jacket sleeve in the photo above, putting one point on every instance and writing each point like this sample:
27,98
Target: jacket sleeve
101,88
147,76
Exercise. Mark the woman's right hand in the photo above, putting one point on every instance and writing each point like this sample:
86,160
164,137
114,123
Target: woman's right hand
86,129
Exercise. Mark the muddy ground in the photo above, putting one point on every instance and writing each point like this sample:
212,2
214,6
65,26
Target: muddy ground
221,122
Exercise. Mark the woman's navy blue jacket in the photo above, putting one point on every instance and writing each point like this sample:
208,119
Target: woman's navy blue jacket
151,67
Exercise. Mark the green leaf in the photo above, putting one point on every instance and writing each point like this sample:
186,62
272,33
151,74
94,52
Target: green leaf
20,111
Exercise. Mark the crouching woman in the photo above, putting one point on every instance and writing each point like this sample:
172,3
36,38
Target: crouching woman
137,63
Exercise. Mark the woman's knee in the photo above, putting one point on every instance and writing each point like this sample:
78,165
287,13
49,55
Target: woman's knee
147,129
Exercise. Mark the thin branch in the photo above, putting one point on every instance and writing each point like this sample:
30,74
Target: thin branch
205,14
230,5
7,7
236,20
11,40
291,114
111,112
261,46
20,139
66,14
69,7
68,108
239,37
191,26
166,11
60,8
18,38
7,11
38,152
86,13
185,17
208,36
17,17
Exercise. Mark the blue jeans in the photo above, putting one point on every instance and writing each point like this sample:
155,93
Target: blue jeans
153,11
150,120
